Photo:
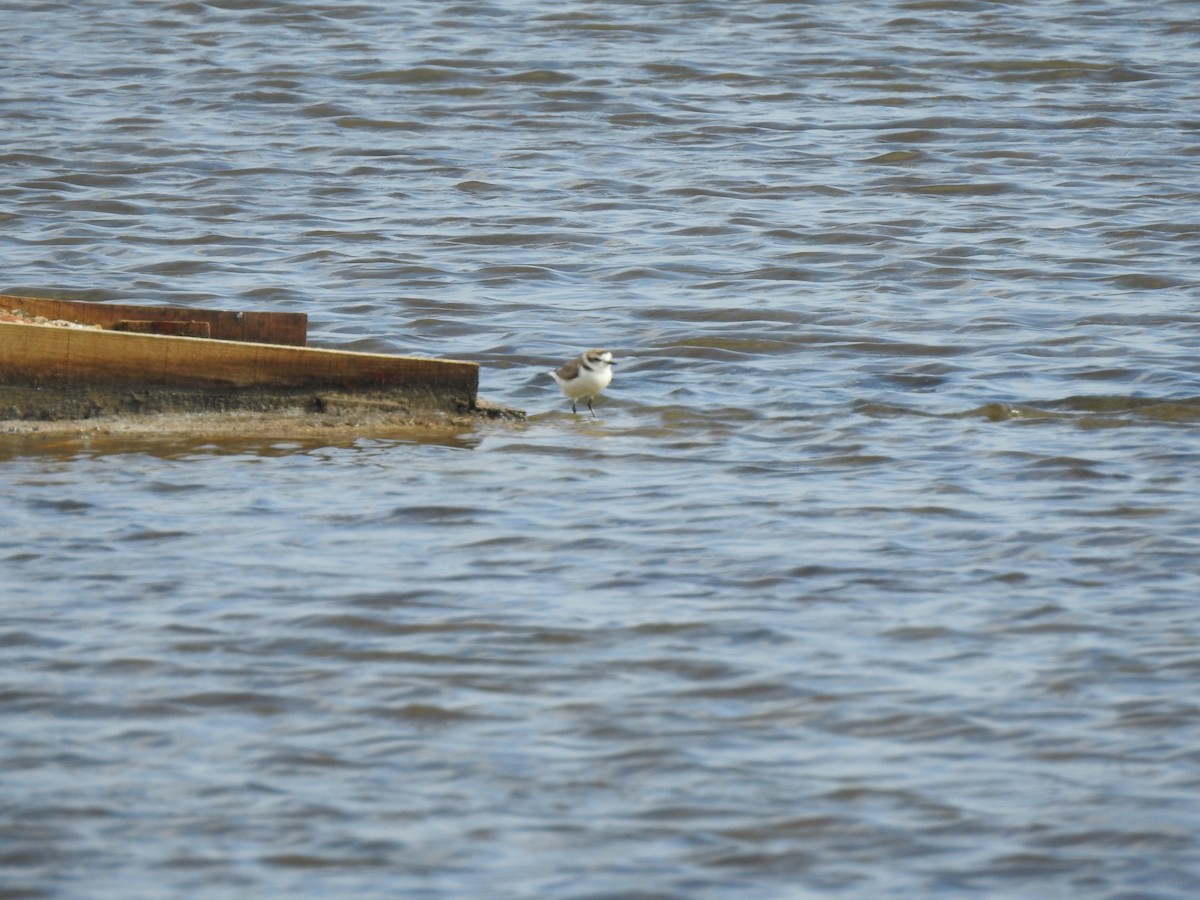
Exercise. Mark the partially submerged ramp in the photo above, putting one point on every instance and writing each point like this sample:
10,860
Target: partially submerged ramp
69,360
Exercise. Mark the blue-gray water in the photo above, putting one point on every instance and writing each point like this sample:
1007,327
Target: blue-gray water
876,576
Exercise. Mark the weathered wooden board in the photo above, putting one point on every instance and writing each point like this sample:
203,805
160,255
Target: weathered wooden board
165,326
59,373
224,325
47,354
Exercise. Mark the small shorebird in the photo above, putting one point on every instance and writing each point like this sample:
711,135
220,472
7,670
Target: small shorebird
585,377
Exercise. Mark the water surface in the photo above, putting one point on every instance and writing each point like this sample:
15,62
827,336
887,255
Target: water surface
875,575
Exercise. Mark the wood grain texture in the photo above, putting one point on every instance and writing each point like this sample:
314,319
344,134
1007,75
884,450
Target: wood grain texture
165,326
45,354
225,325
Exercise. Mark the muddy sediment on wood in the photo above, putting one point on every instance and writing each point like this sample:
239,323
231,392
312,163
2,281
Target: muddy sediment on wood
77,409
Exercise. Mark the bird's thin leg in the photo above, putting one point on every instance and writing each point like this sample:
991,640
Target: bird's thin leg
573,407
592,411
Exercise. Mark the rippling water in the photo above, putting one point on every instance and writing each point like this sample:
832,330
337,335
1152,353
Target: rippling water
876,575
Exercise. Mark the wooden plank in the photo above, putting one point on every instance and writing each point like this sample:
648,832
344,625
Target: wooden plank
46,354
225,325
165,326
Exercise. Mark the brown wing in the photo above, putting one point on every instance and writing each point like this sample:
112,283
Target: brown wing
569,370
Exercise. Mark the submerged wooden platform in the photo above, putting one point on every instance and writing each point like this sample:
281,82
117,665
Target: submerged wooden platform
137,359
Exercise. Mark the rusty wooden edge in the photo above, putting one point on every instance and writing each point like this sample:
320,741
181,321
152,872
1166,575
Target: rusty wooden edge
289,329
